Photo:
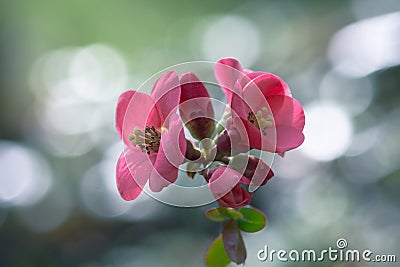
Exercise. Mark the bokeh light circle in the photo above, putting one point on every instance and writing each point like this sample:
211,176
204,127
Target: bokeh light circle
25,176
328,131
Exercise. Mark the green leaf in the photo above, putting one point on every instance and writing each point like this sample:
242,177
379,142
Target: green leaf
253,220
216,255
222,214
233,242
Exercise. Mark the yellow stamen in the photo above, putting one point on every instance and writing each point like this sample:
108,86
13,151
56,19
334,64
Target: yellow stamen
261,119
148,140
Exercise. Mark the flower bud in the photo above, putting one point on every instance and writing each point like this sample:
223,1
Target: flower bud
233,139
255,171
192,153
224,145
195,107
224,183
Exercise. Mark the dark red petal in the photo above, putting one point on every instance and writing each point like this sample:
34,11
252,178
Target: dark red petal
196,108
257,172
192,87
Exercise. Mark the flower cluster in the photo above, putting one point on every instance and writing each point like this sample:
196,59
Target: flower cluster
260,114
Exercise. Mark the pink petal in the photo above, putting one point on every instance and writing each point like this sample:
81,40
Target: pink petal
268,84
223,180
120,112
288,117
170,155
192,87
238,137
288,138
166,94
236,198
240,197
240,107
254,97
231,62
133,170
194,91
278,139
289,122
228,71
286,111
195,107
224,185
258,140
254,136
134,109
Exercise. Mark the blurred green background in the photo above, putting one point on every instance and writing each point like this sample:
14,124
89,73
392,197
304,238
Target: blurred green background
63,65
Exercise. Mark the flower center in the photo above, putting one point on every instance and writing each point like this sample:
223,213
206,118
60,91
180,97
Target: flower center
148,140
261,119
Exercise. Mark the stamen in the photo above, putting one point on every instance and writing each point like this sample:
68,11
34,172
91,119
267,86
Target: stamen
261,119
148,140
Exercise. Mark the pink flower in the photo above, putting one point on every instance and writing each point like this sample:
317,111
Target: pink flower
225,185
153,134
272,118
